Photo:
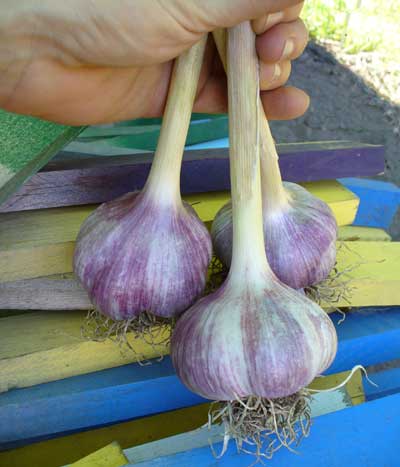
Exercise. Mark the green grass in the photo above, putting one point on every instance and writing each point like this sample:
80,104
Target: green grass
373,26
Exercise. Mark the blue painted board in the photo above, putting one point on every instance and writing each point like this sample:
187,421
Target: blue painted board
379,201
367,336
388,382
91,400
366,435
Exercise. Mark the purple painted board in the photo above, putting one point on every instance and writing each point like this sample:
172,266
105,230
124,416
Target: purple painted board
73,181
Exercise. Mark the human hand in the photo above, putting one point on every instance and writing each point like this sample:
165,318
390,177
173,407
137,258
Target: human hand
84,62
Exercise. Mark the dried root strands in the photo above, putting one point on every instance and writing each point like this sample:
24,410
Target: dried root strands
149,252
262,426
151,330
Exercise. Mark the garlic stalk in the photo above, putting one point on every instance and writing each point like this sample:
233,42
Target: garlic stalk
255,343
149,251
300,230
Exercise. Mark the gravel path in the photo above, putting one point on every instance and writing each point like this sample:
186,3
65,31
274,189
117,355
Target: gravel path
345,105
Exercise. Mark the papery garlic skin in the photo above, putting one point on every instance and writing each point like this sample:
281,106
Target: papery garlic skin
260,339
135,254
300,237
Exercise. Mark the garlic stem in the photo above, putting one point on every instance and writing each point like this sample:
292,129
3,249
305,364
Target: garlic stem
273,192
248,254
164,179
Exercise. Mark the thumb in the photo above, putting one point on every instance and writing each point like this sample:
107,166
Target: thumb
207,15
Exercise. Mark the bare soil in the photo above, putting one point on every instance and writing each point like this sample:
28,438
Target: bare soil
352,98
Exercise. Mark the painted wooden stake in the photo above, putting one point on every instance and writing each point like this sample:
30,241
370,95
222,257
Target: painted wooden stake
37,412
95,180
373,277
40,243
26,144
66,448
109,456
367,432
365,234
379,201
53,348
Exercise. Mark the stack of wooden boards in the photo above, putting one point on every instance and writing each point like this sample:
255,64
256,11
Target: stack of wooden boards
62,397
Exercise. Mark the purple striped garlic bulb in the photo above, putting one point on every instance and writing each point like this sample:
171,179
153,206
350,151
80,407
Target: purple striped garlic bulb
254,336
300,234
299,229
254,344
149,251
136,254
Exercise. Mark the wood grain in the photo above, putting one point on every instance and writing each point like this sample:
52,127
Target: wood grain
44,294
79,180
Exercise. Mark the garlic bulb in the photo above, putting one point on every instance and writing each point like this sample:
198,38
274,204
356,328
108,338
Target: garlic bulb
300,230
254,338
300,237
149,251
134,254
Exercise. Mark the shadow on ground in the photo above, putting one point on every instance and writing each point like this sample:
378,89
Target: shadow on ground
343,107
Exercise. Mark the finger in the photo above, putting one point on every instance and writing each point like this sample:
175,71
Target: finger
285,41
285,103
274,75
213,14
262,24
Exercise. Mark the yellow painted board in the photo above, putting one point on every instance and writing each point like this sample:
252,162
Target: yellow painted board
41,243
375,272
57,225
109,456
365,234
52,347
61,451
36,261
25,229
343,202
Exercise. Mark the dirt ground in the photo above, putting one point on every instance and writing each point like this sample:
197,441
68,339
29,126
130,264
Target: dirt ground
346,106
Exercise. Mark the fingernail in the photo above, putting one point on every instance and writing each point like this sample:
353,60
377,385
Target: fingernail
288,49
273,19
277,72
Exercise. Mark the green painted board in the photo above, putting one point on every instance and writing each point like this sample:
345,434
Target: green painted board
26,144
145,136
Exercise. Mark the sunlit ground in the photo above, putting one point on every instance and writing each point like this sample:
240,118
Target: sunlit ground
365,33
